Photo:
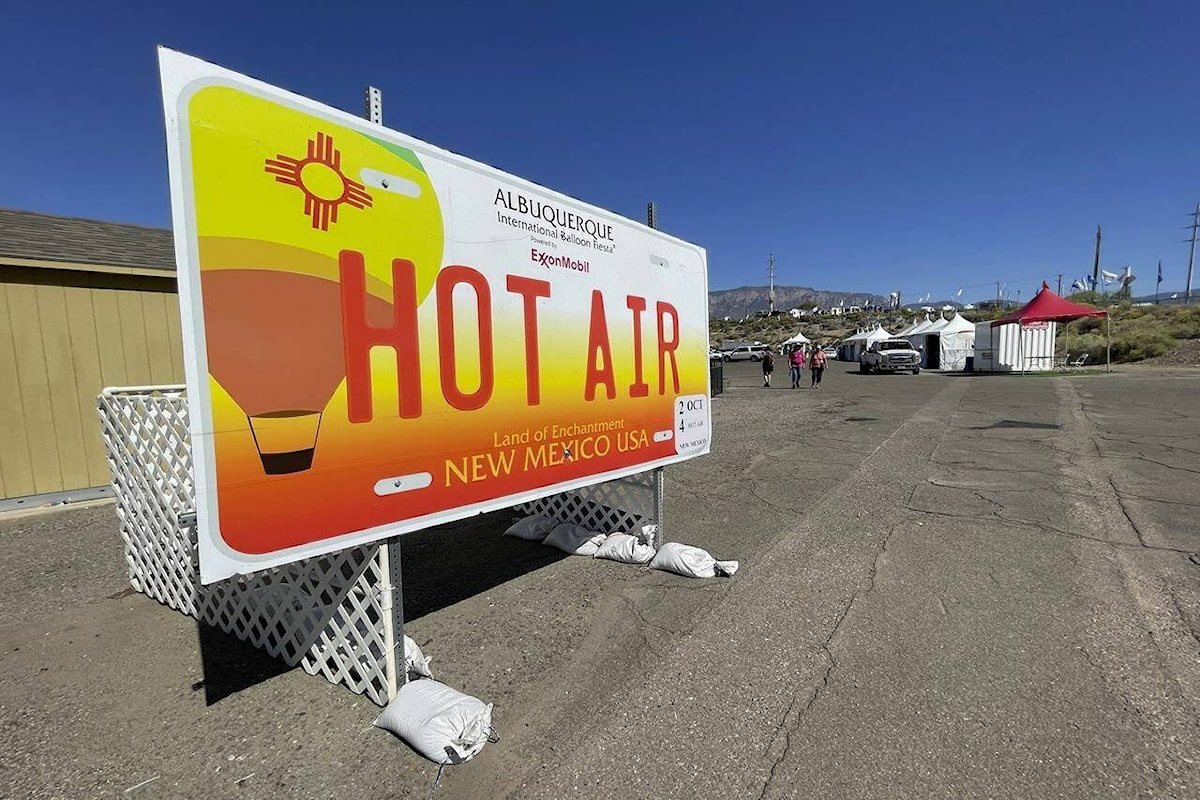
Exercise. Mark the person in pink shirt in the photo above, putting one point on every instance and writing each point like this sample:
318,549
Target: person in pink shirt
796,360
816,366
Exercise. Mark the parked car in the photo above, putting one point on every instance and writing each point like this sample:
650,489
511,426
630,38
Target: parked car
715,355
749,352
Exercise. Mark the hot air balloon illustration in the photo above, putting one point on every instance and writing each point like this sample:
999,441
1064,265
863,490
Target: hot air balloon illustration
281,374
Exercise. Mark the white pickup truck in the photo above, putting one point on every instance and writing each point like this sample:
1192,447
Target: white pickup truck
890,355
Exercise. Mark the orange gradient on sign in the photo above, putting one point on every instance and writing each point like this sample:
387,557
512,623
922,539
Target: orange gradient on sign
262,514
337,494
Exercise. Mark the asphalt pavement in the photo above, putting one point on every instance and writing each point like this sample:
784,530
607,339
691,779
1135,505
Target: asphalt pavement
949,586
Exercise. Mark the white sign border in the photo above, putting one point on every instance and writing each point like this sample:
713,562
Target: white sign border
181,76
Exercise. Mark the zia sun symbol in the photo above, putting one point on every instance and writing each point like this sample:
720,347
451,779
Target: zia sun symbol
319,175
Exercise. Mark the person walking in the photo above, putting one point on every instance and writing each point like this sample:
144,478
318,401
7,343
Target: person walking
768,366
816,366
796,360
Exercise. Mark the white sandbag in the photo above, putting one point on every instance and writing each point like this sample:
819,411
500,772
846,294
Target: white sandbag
625,548
534,528
442,724
416,663
691,562
575,539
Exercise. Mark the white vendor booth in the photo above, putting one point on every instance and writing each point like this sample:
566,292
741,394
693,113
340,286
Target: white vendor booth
925,340
1023,341
947,344
1014,347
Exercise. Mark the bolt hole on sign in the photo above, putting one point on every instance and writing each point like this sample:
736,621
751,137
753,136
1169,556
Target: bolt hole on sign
381,336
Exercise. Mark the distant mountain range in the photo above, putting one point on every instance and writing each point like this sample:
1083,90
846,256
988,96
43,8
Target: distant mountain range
748,300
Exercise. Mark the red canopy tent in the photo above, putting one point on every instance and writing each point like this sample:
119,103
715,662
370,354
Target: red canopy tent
1046,306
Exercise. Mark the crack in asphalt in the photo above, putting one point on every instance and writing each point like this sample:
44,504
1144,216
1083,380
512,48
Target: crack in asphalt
1183,617
1021,525
703,587
782,509
1142,440
1143,457
791,721
987,469
1159,500
792,718
1088,658
1121,505
645,623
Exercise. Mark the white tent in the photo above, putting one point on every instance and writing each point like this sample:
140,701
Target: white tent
925,341
917,329
877,335
848,350
936,326
909,329
862,340
947,343
799,338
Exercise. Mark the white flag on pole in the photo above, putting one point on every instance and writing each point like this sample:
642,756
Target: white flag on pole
1109,277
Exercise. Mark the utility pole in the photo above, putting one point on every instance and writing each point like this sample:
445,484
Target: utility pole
1096,264
771,280
1060,284
1192,254
997,294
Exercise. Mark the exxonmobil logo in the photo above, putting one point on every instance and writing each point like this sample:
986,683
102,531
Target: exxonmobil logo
552,261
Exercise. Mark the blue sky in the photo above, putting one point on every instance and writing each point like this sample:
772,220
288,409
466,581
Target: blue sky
918,147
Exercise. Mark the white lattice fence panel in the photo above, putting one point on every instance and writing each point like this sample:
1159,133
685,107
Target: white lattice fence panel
324,614
955,360
617,505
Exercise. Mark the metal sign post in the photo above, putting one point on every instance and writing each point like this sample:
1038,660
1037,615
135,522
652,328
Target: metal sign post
659,474
391,588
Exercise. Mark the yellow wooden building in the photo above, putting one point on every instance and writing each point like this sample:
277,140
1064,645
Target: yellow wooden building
83,305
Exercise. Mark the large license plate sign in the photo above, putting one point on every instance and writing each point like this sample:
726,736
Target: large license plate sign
381,336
